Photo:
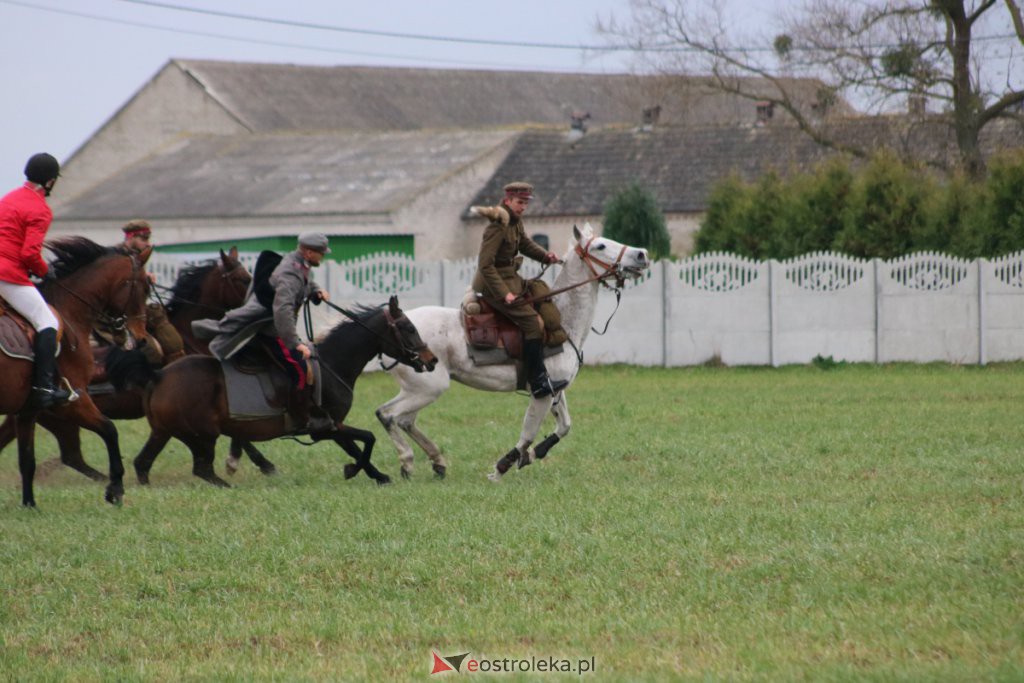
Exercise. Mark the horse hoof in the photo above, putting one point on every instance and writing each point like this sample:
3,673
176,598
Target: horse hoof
351,470
384,480
29,504
268,471
114,497
231,466
143,478
406,474
440,471
495,476
526,458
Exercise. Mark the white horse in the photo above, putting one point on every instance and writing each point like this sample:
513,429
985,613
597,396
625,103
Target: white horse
589,262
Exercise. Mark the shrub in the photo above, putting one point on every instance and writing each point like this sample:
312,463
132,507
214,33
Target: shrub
633,216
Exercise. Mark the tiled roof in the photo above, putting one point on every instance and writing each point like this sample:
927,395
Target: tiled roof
284,174
272,97
680,165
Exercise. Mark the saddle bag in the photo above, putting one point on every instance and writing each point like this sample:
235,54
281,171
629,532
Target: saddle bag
482,330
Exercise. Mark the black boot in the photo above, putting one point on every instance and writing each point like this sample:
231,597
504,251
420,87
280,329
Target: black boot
46,393
540,384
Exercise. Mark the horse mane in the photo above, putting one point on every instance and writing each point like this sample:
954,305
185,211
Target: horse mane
362,314
189,285
73,253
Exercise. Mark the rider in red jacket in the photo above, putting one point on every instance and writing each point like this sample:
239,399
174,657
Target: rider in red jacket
24,219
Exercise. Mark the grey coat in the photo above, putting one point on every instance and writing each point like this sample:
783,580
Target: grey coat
292,286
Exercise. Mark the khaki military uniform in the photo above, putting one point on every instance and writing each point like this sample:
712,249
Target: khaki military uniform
497,267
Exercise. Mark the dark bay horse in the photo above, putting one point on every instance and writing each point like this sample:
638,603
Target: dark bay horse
204,290
187,400
87,283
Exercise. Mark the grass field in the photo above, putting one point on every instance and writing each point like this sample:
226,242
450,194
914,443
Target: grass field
858,523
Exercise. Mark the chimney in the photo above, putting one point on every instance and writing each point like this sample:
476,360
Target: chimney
765,110
578,121
577,125
917,105
651,116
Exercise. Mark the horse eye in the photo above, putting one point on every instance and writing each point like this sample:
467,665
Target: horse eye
600,247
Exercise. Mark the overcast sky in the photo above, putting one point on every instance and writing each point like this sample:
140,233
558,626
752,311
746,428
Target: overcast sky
65,70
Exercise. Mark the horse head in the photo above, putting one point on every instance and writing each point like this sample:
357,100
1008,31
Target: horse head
129,294
404,343
607,258
234,280
107,284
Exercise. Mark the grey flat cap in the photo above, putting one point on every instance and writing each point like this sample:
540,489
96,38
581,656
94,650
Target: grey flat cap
314,240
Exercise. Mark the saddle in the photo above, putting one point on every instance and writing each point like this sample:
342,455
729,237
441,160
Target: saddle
492,338
259,386
17,336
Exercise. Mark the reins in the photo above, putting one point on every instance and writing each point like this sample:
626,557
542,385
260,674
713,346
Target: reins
410,353
119,322
611,269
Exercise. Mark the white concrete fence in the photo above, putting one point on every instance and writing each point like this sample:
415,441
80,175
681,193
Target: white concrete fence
919,308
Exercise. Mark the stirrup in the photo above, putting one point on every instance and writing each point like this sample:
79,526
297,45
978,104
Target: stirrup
547,387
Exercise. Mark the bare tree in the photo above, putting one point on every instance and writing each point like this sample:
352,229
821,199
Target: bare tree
962,59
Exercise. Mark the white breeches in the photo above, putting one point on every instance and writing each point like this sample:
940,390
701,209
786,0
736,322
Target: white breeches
27,300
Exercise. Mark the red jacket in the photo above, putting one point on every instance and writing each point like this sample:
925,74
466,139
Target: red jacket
24,219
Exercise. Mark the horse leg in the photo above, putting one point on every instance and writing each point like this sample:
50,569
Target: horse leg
144,460
69,440
101,425
8,431
560,409
437,459
532,420
258,459
346,438
204,449
25,429
399,414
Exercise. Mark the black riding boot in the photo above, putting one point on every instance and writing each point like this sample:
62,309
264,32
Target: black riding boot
540,384
46,392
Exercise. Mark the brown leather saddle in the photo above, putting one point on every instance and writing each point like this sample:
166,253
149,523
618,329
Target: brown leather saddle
17,336
489,329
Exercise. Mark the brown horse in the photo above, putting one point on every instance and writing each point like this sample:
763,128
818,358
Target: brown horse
88,283
204,290
187,400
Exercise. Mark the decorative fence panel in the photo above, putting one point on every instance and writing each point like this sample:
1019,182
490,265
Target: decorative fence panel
928,309
824,306
717,306
919,308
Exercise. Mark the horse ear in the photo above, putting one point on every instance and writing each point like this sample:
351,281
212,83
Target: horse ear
233,253
223,257
576,233
393,306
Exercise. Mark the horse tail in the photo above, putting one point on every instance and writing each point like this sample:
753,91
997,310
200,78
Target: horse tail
127,369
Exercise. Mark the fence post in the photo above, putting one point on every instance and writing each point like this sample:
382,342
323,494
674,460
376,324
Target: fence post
666,315
982,268
877,291
772,312
443,273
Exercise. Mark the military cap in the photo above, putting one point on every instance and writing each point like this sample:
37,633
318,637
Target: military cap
136,227
520,190
317,241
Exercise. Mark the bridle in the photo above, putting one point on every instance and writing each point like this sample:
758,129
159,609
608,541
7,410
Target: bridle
411,354
117,323
611,268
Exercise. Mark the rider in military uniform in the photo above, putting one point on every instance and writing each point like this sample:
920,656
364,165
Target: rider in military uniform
163,342
500,284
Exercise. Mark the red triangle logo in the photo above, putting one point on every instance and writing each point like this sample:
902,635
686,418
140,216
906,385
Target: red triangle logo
440,665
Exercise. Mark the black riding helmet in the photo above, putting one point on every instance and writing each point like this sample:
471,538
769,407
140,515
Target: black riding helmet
42,168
